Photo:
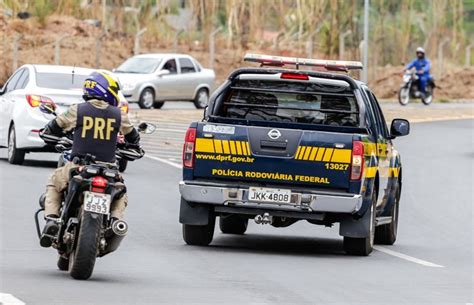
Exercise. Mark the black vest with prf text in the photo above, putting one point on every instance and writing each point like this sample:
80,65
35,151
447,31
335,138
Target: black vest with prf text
96,132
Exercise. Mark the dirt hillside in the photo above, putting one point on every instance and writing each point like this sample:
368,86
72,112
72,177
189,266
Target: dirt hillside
79,48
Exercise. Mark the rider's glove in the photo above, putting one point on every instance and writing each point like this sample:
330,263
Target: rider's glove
133,137
53,128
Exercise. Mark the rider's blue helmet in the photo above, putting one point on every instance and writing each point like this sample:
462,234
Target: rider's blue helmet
102,85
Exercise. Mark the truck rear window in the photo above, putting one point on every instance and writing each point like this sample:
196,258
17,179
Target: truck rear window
291,101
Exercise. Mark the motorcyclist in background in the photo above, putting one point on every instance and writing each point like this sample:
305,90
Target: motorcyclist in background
422,66
96,124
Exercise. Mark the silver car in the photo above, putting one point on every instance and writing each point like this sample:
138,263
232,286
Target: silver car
152,79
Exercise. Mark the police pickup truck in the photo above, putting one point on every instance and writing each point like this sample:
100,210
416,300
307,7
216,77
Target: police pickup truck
279,145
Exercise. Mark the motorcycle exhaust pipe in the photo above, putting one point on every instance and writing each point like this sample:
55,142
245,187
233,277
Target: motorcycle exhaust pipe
114,236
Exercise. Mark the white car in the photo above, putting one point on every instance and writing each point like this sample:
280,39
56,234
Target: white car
152,79
20,98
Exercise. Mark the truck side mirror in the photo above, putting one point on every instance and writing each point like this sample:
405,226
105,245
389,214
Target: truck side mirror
399,128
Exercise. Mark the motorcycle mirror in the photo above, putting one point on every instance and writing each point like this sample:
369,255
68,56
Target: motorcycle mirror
48,108
146,128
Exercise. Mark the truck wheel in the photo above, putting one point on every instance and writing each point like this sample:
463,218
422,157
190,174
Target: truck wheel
387,234
363,246
199,235
233,224
201,99
147,98
82,259
15,155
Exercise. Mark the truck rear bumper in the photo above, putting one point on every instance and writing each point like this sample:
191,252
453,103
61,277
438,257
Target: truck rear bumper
310,201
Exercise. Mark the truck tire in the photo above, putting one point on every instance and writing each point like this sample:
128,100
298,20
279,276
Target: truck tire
233,224
363,246
199,235
82,259
15,155
387,234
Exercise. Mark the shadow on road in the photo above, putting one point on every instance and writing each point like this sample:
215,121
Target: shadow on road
36,163
278,245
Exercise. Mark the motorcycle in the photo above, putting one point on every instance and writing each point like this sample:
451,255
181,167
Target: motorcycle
410,89
122,163
86,228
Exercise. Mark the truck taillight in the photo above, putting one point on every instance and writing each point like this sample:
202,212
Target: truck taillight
357,166
188,149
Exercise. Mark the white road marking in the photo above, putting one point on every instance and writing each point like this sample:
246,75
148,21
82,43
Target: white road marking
407,257
8,299
378,248
176,165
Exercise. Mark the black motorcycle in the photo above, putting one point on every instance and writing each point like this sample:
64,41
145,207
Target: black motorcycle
86,228
411,90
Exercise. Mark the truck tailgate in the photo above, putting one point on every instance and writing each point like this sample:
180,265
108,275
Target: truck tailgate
253,154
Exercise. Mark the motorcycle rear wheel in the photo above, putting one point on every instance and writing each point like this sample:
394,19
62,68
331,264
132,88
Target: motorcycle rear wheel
82,258
428,97
404,96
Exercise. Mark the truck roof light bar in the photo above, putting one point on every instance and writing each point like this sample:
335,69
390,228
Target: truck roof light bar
280,61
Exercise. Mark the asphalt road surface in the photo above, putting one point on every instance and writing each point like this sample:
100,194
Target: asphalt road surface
431,263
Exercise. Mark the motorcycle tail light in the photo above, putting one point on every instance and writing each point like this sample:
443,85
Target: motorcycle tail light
357,165
99,182
188,149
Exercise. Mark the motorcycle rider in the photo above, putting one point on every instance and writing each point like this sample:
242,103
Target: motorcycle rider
422,66
95,123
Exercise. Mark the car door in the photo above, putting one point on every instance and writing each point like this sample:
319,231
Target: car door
383,146
6,105
168,85
189,77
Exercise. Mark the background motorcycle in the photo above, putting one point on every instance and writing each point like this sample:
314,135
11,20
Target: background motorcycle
410,89
86,228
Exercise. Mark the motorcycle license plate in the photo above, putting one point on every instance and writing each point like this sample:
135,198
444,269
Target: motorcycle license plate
97,203
260,194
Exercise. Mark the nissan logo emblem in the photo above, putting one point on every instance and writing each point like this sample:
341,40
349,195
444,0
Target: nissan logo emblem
274,134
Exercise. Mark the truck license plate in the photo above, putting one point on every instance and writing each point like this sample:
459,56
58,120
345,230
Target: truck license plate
97,203
260,194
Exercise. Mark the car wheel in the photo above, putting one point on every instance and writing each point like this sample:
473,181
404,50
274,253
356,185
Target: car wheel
147,98
15,155
233,224
201,99
158,105
363,246
387,234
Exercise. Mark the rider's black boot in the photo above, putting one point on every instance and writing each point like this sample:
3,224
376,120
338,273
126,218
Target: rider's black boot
49,232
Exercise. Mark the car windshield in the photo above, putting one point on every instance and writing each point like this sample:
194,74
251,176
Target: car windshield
64,81
139,65
292,102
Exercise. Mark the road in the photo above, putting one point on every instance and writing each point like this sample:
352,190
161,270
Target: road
302,264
